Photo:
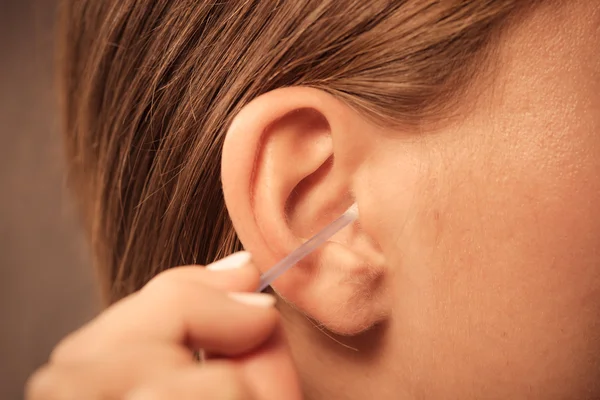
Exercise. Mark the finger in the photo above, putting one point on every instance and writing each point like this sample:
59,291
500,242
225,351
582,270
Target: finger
109,374
219,380
201,317
235,273
181,313
270,370
66,383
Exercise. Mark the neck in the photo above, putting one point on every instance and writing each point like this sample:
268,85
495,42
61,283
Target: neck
338,367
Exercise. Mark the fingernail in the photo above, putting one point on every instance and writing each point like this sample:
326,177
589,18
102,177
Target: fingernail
254,299
236,260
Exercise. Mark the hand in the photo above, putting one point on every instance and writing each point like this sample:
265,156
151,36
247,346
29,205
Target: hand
141,347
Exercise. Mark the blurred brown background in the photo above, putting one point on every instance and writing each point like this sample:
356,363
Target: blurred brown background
47,286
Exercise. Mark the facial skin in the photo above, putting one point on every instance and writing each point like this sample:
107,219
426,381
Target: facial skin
475,269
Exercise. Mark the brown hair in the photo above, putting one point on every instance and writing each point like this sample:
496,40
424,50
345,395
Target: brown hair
151,86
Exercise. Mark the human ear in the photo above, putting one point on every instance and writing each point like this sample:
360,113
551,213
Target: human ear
288,167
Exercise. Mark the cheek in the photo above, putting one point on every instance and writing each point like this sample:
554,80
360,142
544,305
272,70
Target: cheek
515,268
497,251
492,232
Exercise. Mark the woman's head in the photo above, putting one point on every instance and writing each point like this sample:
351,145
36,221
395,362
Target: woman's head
466,132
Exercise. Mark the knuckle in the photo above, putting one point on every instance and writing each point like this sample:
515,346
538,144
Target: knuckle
173,288
166,284
40,386
65,350
76,347
167,275
167,278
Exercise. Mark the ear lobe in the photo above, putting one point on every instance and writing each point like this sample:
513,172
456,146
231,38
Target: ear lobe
288,165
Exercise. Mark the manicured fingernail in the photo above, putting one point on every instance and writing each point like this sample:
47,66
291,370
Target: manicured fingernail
254,299
233,261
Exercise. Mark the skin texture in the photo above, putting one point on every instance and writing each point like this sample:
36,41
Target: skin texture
140,348
474,271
